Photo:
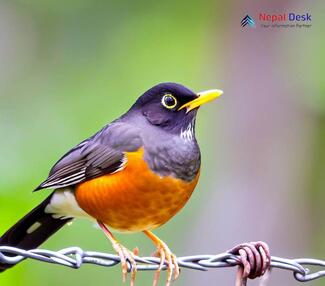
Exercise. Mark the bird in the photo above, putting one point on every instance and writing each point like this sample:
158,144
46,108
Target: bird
133,175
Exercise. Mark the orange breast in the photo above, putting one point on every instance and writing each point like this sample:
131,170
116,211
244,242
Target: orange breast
134,199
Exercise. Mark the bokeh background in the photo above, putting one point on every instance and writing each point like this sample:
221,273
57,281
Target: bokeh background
69,67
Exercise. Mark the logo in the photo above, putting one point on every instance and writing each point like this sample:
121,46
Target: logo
248,20
278,20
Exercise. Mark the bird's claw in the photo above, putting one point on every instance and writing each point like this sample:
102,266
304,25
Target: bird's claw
126,256
166,257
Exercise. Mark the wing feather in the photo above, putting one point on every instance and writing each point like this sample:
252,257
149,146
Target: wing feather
101,154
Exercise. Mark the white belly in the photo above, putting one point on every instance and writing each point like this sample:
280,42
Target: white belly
64,205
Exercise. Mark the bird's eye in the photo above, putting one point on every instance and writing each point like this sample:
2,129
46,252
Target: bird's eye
169,101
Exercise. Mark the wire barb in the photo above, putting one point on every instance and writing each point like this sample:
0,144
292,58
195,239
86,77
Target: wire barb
75,257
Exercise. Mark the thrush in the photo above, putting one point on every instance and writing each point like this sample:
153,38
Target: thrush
133,175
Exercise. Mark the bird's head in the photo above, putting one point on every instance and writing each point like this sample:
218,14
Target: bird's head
172,106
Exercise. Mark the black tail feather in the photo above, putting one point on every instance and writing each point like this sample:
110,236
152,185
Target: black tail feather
32,230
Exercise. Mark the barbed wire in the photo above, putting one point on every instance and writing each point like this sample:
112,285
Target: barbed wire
75,257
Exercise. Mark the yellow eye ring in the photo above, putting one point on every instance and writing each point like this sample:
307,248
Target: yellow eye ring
169,101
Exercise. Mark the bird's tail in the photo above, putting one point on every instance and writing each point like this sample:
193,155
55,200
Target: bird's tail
32,230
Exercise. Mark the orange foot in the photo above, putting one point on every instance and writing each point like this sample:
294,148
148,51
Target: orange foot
125,254
166,257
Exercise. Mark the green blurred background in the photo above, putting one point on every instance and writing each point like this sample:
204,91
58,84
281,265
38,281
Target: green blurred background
69,67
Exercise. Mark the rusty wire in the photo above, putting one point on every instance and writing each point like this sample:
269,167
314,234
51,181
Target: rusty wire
75,257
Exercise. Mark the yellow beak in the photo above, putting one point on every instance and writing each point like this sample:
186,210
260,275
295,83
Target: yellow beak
203,97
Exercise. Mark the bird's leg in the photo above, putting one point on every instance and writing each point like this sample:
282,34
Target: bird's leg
165,256
124,254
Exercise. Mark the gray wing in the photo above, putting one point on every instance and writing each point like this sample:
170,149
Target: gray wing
101,154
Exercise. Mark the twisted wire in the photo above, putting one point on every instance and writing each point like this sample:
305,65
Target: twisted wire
75,257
